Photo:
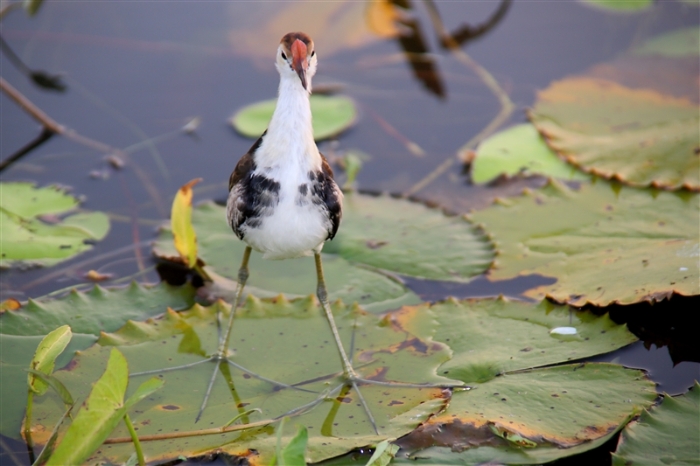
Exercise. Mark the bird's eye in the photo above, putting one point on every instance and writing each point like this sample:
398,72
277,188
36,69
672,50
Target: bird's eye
313,53
284,57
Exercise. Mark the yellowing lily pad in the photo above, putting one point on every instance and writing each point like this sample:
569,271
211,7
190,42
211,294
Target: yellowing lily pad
289,342
532,417
331,116
664,434
638,136
31,232
603,243
519,150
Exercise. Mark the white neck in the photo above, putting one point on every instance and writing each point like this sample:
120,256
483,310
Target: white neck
290,134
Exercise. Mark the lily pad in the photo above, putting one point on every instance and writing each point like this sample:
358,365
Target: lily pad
286,341
680,43
95,311
620,5
27,240
331,116
638,136
642,244
665,434
88,314
375,233
15,356
523,332
390,234
532,417
519,150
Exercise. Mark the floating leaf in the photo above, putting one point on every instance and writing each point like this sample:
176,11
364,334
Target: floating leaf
51,346
679,43
665,434
642,244
519,150
97,310
620,5
285,341
380,232
331,115
545,414
390,234
181,224
15,356
28,241
639,136
102,411
222,251
475,331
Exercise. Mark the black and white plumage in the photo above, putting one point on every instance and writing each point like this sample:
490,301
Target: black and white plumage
283,200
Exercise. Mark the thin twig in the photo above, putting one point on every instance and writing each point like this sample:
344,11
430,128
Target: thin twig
44,136
487,78
49,123
192,433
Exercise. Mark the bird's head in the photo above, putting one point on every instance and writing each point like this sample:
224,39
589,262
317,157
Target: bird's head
296,58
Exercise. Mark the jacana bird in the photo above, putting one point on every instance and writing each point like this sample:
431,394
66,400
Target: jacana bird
283,201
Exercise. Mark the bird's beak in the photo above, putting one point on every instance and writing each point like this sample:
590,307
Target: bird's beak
299,62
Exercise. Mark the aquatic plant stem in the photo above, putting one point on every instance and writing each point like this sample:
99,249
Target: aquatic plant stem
28,421
135,439
507,106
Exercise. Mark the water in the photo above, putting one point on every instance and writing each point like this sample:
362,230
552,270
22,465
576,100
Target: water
140,70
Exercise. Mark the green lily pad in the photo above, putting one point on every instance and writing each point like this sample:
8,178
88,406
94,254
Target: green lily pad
665,434
95,311
88,314
519,150
331,116
390,234
638,136
25,240
680,43
532,417
15,356
642,244
376,233
475,332
286,341
620,5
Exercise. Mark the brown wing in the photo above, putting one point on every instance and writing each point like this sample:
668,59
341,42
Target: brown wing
237,211
244,166
332,196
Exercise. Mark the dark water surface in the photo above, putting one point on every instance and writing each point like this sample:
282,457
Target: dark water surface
138,70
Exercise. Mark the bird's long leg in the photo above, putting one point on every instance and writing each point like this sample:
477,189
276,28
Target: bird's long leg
242,278
348,370
223,342
322,293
